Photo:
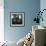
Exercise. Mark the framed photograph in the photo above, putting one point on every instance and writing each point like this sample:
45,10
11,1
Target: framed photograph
17,18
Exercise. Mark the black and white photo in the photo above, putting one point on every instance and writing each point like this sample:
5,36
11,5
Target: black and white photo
17,18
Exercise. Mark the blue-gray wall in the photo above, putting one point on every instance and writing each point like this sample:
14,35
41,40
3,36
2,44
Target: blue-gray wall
30,7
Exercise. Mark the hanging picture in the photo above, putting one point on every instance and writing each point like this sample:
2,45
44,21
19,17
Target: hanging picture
17,19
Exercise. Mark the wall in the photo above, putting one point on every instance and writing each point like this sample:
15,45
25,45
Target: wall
1,21
30,7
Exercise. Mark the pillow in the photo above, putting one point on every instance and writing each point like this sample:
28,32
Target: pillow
28,39
20,42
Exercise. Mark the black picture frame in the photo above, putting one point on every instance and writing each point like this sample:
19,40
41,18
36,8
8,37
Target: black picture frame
17,19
